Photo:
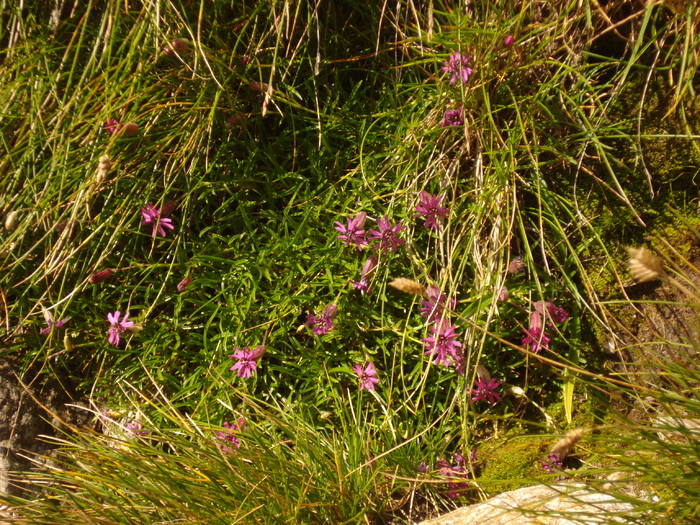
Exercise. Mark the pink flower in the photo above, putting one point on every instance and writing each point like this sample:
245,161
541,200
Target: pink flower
178,46
429,206
118,327
553,314
353,233
247,360
135,428
442,343
453,117
387,236
536,339
551,463
367,271
112,126
228,436
434,307
367,375
456,65
485,390
508,41
152,215
53,324
324,323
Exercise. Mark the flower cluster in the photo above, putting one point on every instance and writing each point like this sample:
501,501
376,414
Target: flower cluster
536,337
551,463
456,473
453,117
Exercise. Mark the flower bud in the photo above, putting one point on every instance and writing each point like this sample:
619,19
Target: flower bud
482,373
330,311
508,41
258,352
241,424
10,220
182,285
168,208
100,276
129,129
503,295
178,46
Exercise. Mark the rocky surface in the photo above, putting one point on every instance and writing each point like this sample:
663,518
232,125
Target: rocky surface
562,504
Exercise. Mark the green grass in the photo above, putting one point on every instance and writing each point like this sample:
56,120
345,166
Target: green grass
547,167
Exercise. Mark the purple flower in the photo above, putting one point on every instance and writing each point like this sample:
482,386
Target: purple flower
456,475
434,306
536,338
118,327
453,117
422,467
554,314
152,215
323,323
503,295
551,463
112,126
247,360
178,46
429,206
135,428
353,233
387,236
485,390
367,271
457,66
442,343
508,41
55,324
367,375
228,436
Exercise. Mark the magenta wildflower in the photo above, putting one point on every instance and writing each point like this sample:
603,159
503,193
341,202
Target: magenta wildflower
228,436
536,338
135,428
508,41
457,66
118,327
152,215
353,233
485,390
553,314
436,303
551,463
456,475
429,206
53,324
323,323
422,467
113,126
442,343
453,117
367,375
367,270
387,236
247,360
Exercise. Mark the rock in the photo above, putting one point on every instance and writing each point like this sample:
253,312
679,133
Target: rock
561,504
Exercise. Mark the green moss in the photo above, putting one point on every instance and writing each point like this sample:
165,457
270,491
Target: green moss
511,463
